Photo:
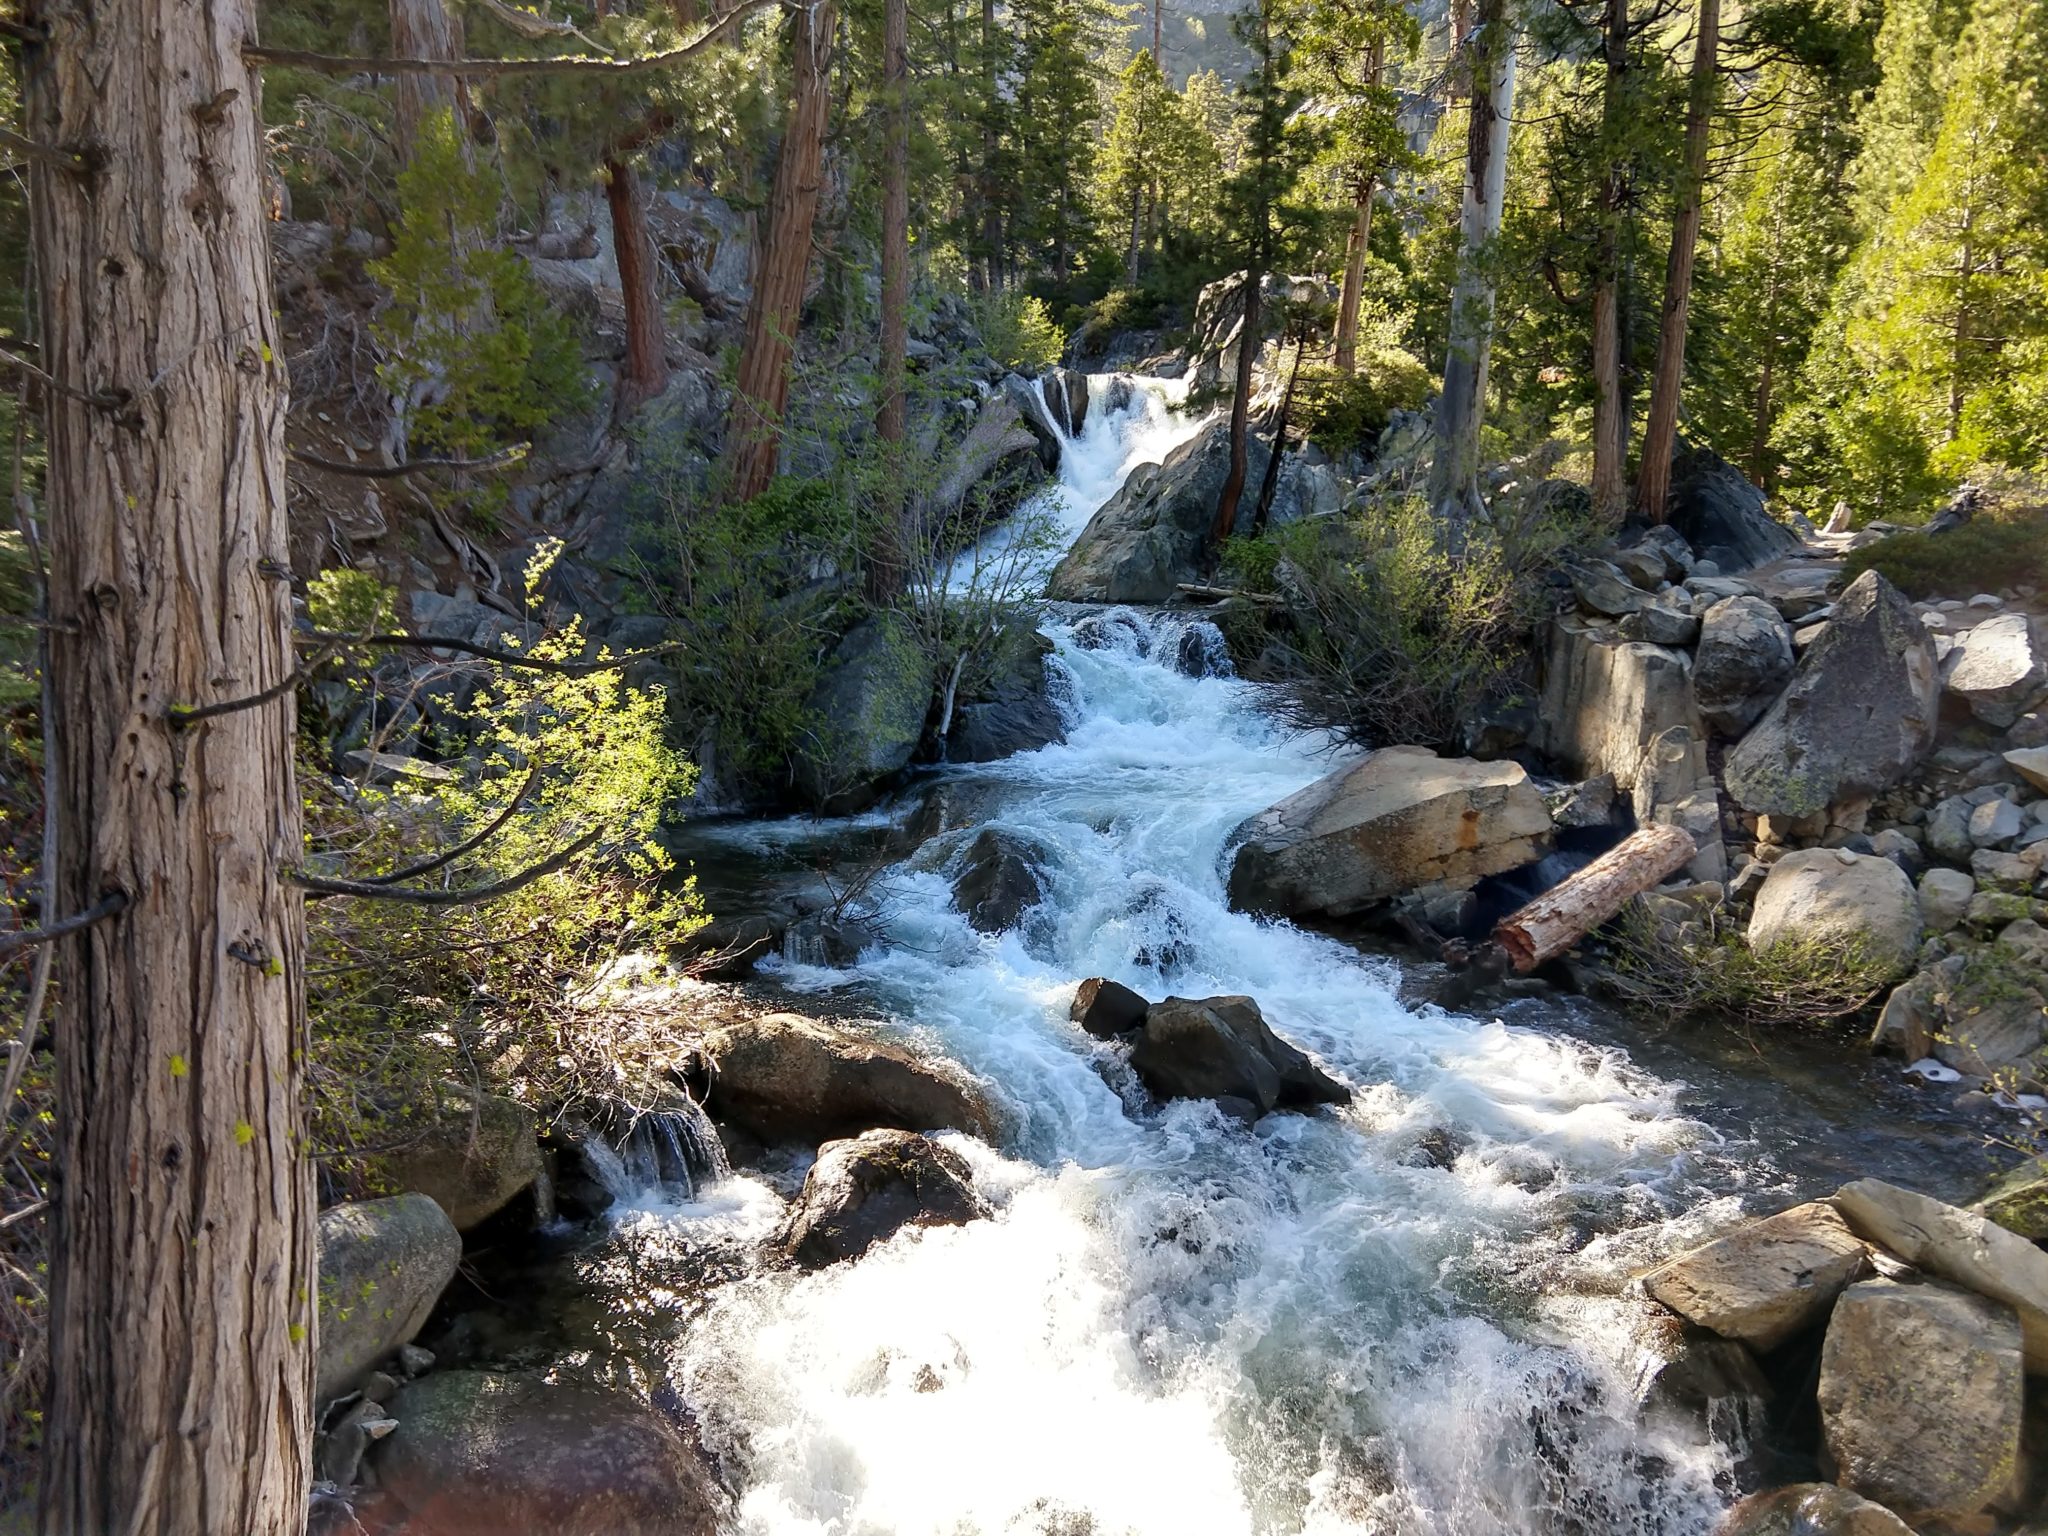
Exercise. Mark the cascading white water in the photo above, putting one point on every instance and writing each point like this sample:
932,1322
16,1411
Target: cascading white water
1398,1317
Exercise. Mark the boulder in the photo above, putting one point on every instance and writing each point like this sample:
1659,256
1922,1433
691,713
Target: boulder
1673,766
479,1454
1663,620
1766,1280
383,1265
1811,1509
1995,823
788,1078
1921,1398
871,703
1151,535
1034,408
1400,819
1989,1011
2018,1200
1944,898
1957,1245
1066,398
998,881
1858,715
1107,1009
1915,1012
1602,588
1948,830
1013,711
1743,662
470,1152
1833,895
2031,764
867,1189
1605,698
1722,515
1996,669
1222,1048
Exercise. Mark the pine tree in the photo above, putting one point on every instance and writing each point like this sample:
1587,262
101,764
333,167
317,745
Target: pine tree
1133,154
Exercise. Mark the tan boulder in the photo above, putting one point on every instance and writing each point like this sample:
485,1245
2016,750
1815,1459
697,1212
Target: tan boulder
1922,1393
1401,819
1833,895
1957,1245
1765,1281
1811,1509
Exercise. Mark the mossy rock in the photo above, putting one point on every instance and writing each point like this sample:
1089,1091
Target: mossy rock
2018,1200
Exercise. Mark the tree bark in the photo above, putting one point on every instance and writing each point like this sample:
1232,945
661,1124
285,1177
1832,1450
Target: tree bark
1610,409
1573,908
754,434
1269,483
182,1309
1454,474
991,198
1240,408
886,573
1660,433
646,374
1361,237
424,29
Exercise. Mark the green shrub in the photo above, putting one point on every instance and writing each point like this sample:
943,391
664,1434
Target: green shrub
2001,547
1705,968
1018,330
1342,411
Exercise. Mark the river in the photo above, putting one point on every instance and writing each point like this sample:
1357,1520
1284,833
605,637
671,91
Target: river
1407,1316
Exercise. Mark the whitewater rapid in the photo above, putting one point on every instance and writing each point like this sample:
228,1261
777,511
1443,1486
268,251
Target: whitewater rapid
1406,1316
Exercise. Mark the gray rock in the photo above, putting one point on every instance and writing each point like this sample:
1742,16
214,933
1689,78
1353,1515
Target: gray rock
1857,717
1590,804
1994,824
1944,898
2018,1200
1831,894
1641,567
1766,1280
1035,411
1066,396
1948,830
1673,768
1222,1048
1401,819
1669,546
383,1265
477,1454
1722,515
1662,620
470,1152
998,881
1602,588
1606,698
871,706
1107,1009
1743,662
1921,1398
1996,668
2031,764
865,1190
1014,710
1811,1509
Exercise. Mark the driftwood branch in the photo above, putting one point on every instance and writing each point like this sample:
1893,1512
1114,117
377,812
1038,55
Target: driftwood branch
488,69
442,860
1576,905
106,907
513,455
467,896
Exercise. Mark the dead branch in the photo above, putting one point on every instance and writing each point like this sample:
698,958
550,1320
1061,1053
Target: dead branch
489,652
19,943
467,896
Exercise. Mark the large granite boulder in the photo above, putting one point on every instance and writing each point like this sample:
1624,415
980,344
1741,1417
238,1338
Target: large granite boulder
998,881
1151,535
1996,668
1831,895
1400,819
788,1078
1107,1009
1605,698
1066,397
1921,1398
870,705
1222,1048
383,1265
1811,1509
1766,1280
867,1189
471,1152
1722,515
1743,662
479,1454
1013,710
1958,1245
1034,404
1977,1011
1859,714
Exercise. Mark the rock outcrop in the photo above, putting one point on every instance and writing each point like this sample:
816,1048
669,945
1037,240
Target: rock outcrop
1221,1048
1858,715
1605,698
864,1190
1831,895
479,1454
1767,1280
470,1152
787,1078
1400,819
383,1265
1722,515
873,697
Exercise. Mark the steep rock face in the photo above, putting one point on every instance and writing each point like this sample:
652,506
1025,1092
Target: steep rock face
1400,819
865,1190
788,1078
1606,698
1833,895
479,1454
1222,1048
1766,1280
1722,515
383,1265
1859,714
1921,1398
1148,538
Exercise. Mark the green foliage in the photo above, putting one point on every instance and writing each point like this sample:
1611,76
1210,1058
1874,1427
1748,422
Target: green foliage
468,338
1344,411
1018,329
1999,548
1696,964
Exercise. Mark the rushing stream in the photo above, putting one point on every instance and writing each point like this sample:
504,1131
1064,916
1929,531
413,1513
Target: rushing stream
1405,1316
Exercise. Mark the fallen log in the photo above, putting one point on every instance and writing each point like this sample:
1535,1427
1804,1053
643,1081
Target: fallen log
1551,924
1228,594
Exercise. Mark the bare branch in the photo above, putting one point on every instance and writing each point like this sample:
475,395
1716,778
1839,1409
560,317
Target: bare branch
18,943
106,400
441,860
490,652
462,897
487,69
512,455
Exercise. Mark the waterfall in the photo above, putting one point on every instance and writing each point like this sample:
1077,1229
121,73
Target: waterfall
671,1149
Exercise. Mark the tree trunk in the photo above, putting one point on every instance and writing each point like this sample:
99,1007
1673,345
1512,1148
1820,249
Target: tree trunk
1137,222
646,374
886,572
1454,475
1159,34
1610,410
424,29
1240,408
1361,237
754,434
1566,913
1269,483
182,1307
1653,477
687,17
991,199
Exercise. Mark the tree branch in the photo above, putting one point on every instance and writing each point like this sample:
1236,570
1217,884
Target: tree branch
488,69
489,652
16,943
106,400
441,860
512,455
462,897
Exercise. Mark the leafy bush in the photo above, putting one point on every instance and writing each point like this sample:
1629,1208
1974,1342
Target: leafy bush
470,341
1343,411
1019,331
1704,968
2000,547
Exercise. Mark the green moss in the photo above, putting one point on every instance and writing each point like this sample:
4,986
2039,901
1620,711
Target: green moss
2018,1200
